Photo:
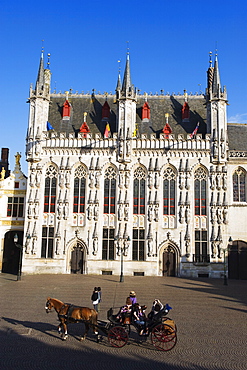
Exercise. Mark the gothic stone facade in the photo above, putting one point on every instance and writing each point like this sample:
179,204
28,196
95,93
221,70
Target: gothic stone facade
158,181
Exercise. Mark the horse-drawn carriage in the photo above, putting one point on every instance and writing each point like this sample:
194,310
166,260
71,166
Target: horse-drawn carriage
162,329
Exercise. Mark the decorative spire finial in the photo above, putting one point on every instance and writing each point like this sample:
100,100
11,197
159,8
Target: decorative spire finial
48,61
42,49
210,59
128,49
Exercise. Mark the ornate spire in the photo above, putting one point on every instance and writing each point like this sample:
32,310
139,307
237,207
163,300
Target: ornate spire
216,85
127,79
40,78
128,90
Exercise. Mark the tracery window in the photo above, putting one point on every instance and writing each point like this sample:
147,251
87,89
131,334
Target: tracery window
50,189
139,191
110,190
239,185
79,190
169,183
200,192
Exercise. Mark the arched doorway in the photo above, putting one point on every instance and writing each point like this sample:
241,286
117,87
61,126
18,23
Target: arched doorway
78,259
237,260
169,261
11,253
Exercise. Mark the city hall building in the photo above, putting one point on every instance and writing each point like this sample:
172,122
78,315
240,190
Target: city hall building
146,184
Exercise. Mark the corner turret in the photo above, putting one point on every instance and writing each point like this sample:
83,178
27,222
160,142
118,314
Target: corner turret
216,113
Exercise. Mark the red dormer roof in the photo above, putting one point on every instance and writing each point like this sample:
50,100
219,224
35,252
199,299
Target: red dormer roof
105,111
145,111
185,112
84,129
66,109
167,130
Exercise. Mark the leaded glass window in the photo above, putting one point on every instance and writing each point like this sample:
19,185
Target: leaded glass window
138,245
50,189
79,190
239,185
108,244
169,192
139,191
200,192
110,191
47,247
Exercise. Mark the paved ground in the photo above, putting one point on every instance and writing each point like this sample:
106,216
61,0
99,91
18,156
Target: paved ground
210,317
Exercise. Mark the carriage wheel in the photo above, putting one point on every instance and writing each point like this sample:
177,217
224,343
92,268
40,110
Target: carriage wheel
118,336
164,337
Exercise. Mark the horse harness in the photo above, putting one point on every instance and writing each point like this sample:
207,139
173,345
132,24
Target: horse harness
68,314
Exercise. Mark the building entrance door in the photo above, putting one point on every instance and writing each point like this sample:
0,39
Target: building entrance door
77,260
237,260
169,262
11,253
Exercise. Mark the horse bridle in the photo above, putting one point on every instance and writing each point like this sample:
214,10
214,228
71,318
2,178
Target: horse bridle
47,308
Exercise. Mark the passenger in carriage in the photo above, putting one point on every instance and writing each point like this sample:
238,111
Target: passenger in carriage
140,319
156,308
132,297
125,310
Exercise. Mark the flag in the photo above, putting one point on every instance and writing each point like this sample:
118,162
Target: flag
49,126
107,130
195,130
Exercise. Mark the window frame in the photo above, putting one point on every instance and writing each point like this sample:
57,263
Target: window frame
108,244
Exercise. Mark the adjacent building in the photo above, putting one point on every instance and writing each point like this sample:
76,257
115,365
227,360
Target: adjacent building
13,186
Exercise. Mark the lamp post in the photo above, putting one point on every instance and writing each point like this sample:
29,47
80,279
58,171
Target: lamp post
121,280
122,248
20,258
224,250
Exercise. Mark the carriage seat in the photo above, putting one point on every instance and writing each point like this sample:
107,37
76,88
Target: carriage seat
111,317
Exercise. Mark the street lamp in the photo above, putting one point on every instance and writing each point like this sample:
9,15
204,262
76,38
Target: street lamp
224,250
20,258
122,248
20,246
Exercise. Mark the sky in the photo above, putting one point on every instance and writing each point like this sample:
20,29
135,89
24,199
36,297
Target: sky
169,44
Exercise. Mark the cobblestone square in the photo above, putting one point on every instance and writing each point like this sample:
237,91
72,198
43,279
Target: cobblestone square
210,317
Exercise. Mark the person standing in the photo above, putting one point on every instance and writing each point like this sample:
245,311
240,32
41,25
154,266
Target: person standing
95,299
99,297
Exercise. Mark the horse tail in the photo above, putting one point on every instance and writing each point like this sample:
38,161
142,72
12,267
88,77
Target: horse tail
94,319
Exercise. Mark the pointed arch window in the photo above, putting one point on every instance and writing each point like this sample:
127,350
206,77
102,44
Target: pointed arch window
200,192
50,189
79,190
239,185
145,111
110,191
169,187
139,191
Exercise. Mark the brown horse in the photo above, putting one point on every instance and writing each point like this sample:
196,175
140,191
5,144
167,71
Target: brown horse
68,313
